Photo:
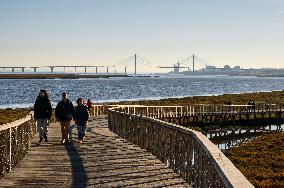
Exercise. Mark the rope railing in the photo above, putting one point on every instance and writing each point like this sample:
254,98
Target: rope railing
189,153
15,140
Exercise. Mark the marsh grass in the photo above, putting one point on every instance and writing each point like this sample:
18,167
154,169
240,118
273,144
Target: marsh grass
261,160
274,97
10,115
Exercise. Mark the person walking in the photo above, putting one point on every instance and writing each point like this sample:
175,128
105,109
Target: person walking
64,112
89,105
42,114
81,119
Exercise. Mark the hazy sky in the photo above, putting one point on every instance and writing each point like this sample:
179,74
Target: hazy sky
249,33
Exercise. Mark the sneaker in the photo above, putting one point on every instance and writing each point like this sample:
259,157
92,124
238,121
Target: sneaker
40,140
45,138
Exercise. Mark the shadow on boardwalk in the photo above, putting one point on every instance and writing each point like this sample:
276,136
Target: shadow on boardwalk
78,171
104,160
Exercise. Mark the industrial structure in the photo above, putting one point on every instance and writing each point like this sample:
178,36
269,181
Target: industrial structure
178,66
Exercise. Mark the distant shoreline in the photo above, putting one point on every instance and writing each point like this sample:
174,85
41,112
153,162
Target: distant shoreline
58,76
77,76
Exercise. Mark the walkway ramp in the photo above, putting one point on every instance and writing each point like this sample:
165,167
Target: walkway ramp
104,160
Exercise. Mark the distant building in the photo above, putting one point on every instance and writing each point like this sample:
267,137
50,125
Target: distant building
237,68
227,67
238,71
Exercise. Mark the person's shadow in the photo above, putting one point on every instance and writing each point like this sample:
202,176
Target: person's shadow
71,131
79,174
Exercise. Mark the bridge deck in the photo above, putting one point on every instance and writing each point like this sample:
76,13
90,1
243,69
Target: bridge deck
104,160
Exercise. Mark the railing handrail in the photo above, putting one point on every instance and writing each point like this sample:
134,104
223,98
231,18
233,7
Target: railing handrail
190,110
179,106
16,122
15,142
170,106
229,174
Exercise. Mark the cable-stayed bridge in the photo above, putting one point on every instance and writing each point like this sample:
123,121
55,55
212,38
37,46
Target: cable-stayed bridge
130,65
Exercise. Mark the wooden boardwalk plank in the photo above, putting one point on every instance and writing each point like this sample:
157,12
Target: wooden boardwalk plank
104,160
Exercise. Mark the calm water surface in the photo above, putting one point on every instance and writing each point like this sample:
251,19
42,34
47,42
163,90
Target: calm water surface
241,135
22,92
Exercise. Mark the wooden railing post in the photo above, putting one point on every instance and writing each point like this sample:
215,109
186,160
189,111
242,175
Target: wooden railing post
10,149
176,111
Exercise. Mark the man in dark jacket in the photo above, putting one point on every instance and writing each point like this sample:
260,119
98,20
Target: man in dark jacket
81,119
64,112
42,114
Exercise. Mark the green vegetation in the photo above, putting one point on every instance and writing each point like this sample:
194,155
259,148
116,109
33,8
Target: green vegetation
10,115
274,97
261,160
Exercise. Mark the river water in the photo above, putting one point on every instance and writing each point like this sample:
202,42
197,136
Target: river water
225,139
23,92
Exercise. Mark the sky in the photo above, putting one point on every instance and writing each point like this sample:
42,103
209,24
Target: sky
248,33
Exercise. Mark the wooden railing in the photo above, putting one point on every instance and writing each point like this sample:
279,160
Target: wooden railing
199,115
199,109
15,140
97,110
189,153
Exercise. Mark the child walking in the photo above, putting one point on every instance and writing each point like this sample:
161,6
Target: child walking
81,119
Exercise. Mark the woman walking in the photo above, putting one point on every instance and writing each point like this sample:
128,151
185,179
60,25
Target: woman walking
81,119
64,112
42,114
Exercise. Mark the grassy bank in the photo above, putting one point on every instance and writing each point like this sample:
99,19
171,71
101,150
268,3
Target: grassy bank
10,115
261,97
261,160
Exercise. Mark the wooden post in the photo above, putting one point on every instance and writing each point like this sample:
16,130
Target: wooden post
147,112
10,152
176,111
186,110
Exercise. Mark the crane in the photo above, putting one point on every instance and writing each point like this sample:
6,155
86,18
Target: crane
176,67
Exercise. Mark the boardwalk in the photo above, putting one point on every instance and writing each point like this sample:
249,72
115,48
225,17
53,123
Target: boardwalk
105,160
